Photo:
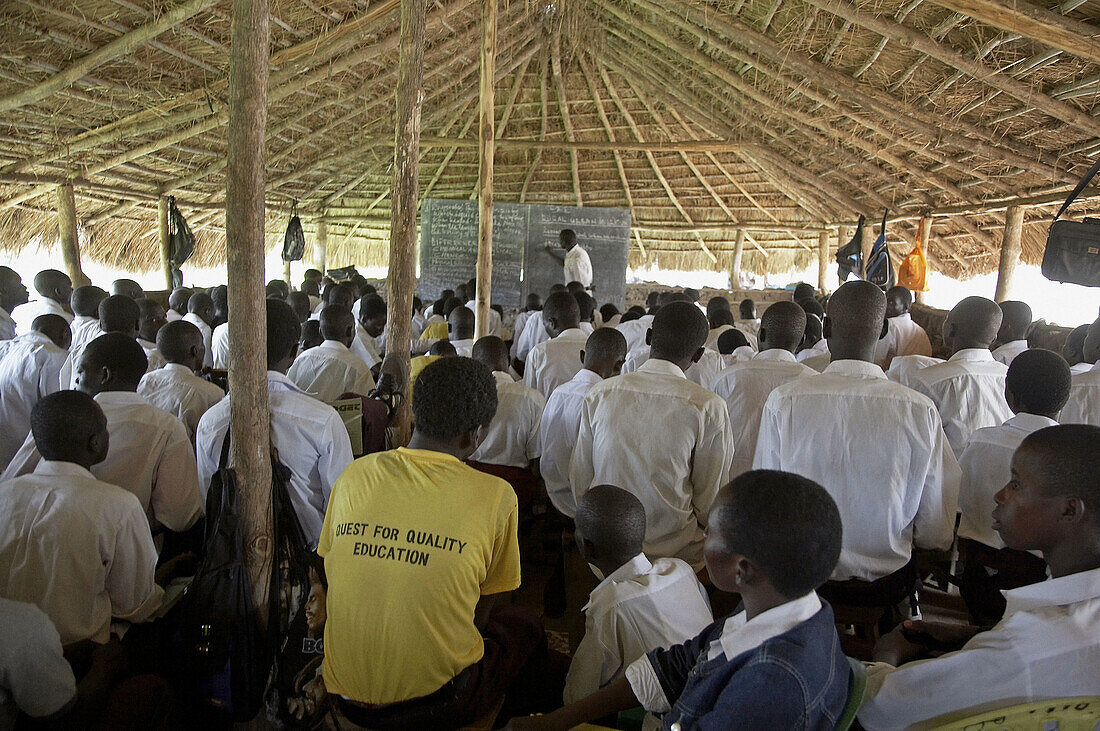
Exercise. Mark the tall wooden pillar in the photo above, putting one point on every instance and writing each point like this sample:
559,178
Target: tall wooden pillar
165,243
735,260
1010,252
320,245
487,146
866,243
286,274
401,279
66,226
249,418
823,261
925,242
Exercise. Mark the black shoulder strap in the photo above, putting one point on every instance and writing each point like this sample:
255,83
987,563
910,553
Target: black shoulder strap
224,461
1080,186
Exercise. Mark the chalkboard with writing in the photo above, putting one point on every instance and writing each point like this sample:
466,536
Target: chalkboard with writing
521,264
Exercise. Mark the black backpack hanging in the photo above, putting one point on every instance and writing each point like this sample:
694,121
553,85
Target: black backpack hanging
181,242
1073,247
880,270
294,240
849,258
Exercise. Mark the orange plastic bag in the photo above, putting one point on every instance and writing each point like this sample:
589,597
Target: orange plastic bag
913,271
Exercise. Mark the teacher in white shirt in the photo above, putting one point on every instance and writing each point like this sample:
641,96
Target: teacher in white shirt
576,265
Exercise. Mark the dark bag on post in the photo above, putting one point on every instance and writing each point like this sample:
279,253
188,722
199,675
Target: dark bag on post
181,242
849,258
880,270
1073,247
294,240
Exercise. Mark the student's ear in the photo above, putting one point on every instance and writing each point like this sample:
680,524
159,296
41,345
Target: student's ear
588,549
582,356
648,336
1010,399
1074,510
698,354
826,329
105,375
618,367
885,328
762,334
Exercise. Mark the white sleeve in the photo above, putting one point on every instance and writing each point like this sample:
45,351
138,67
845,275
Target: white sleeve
769,440
713,457
335,455
581,467
934,524
36,673
131,572
646,686
176,500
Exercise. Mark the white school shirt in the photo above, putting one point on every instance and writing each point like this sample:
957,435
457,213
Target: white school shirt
821,347
1080,368
714,334
702,371
24,314
77,547
177,390
366,347
7,325
879,449
67,376
578,267
28,371
969,393
986,466
634,331
1083,406
156,360
84,330
219,343
664,439
903,337
745,387
639,607
311,440
517,329
534,332
464,347
207,337
904,368
749,326
149,455
171,315
1046,647
561,420
35,677
513,436
329,370
554,362
1008,352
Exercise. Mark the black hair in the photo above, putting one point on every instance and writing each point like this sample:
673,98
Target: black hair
1015,320
1040,381
679,330
85,300
856,310
119,313
802,290
299,302
812,307
1070,458
311,334
442,347
567,236
613,519
283,331
343,290
691,293
629,315
312,274
784,324
563,306
491,352
720,317
55,327
63,422
607,311
604,344
178,299
335,321
902,292
220,297
449,304
276,289
1074,348
371,306
175,339
786,524
731,340
453,396
747,309
717,302
118,353
586,305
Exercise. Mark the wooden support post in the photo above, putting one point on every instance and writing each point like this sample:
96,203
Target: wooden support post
735,260
249,418
823,261
487,139
165,243
66,226
401,279
1010,252
866,243
926,243
286,273
320,245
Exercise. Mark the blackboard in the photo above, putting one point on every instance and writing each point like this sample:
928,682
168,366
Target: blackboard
521,264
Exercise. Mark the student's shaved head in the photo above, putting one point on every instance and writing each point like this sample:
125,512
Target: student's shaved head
177,342
720,317
202,305
613,520
69,426
1015,321
856,320
344,293
55,328
283,331
972,323
802,290
337,323
461,321
178,299
299,302
1038,381
491,352
605,351
119,314
311,335
678,332
85,300
585,305
120,356
730,341
1074,348
151,319
53,285
717,303
1091,347
12,291
442,348
1069,458
561,310
747,309
128,288
783,325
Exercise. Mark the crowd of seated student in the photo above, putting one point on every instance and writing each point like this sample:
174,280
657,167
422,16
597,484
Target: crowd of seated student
796,459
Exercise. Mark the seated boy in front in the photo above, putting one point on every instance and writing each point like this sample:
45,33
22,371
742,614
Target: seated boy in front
774,537
638,605
416,546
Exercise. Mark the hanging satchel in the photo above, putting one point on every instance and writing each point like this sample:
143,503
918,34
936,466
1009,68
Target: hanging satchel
1073,247
294,240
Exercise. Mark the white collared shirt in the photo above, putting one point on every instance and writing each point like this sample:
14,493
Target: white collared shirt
714,334
207,337
1008,352
554,362
561,420
311,440
578,266
366,347
464,347
77,547
639,607
1083,406
84,330
821,347
171,315
739,635
634,331
1080,368
745,386
534,332
25,313
219,343
35,677
903,337
879,449
702,371
330,370
7,325
156,360
904,368
517,329
28,371
67,376
1046,647
969,392
177,390
513,436
986,466
663,438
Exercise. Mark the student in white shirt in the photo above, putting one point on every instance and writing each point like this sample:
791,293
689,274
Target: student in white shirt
610,314
85,325
889,504
117,314
309,435
635,331
534,332
556,361
151,455
299,302
1012,336
969,389
200,313
745,386
532,308
904,368
460,324
638,605
747,321
12,294
733,347
28,371
77,547
720,319
151,318
904,337
372,323
813,344
54,290
177,303
604,353
1036,388
1083,406
331,369
175,387
576,264
661,436
35,677
220,297
1046,647
1073,350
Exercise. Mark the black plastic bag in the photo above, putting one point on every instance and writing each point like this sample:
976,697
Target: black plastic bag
294,240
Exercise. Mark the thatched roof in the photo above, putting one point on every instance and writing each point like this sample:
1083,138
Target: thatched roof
781,117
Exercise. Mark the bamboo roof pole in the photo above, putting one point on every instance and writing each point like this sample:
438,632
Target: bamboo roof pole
451,152
165,241
542,135
1011,248
563,108
587,72
925,234
70,243
823,261
401,278
487,142
250,420
320,244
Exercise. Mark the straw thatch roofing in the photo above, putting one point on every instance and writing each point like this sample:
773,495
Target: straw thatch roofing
777,116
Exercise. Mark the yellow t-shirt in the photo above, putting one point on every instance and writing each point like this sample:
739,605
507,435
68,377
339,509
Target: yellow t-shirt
411,540
435,331
416,365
